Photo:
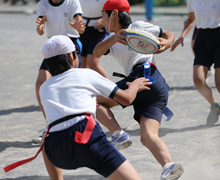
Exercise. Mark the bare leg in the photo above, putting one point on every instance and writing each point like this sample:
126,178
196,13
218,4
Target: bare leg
199,77
43,75
149,138
54,172
93,63
217,79
104,114
84,62
125,172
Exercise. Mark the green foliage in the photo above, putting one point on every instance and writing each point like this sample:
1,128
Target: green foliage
160,2
169,2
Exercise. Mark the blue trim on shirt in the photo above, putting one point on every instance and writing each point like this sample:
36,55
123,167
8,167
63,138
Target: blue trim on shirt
161,32
113,92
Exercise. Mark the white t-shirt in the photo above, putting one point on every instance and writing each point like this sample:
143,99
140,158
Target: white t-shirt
59,16
92,9
207,13
73,92
128,58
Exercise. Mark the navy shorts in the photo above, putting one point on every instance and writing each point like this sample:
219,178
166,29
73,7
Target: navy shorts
90,38
78,51
207,48
98,154
148,103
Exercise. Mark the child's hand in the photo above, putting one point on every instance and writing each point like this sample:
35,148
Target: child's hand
79,25
141,83
41,24
176,43
119,37
99,25
164,45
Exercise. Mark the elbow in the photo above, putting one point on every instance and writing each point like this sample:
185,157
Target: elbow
127,101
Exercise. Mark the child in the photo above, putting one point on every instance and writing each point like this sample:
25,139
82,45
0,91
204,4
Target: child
149,105
69,99
58,17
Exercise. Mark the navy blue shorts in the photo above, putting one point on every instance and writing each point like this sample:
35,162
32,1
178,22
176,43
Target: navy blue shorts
78,51
98,154
148,103
90,38
207,48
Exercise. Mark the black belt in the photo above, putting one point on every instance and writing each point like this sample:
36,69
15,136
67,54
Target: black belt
89,19
63,119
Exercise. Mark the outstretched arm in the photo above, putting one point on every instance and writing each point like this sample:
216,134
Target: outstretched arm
127,96
104,46
188,24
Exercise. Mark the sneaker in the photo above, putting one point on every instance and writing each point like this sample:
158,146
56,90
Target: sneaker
122,141
173,172
214,114
37,140
209,74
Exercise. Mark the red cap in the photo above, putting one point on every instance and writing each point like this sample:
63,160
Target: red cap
120,5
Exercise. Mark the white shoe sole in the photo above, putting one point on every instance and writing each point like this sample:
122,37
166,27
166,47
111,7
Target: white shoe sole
123,145
176,172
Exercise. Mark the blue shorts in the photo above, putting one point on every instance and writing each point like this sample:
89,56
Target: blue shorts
98,154
78,51
207,48
148,103
90,38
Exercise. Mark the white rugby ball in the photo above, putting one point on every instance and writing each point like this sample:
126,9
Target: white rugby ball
142,41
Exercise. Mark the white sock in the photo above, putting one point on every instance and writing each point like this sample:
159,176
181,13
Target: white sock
117,133
167,165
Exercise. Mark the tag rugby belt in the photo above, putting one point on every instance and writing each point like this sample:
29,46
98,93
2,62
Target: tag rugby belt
82,138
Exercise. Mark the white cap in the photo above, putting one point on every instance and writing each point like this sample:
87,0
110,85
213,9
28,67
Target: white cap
57,45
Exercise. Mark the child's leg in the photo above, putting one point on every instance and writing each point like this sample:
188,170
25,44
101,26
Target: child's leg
83,62
124,172
104,114
43,75
149,137
93,63
54,172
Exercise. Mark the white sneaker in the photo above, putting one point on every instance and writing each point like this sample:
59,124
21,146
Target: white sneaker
173,172
121,141
37,140
214,114
209,74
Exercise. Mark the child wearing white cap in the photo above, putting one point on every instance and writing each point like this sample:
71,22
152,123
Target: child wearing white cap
69,99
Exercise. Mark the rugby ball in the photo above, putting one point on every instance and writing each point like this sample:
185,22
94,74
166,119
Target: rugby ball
142,41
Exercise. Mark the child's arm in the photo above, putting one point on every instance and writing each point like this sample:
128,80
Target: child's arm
188,24
165,41
105,45
127,96
41,24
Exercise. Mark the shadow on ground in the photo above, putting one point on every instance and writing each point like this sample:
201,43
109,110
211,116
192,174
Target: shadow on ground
4,145
30,108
